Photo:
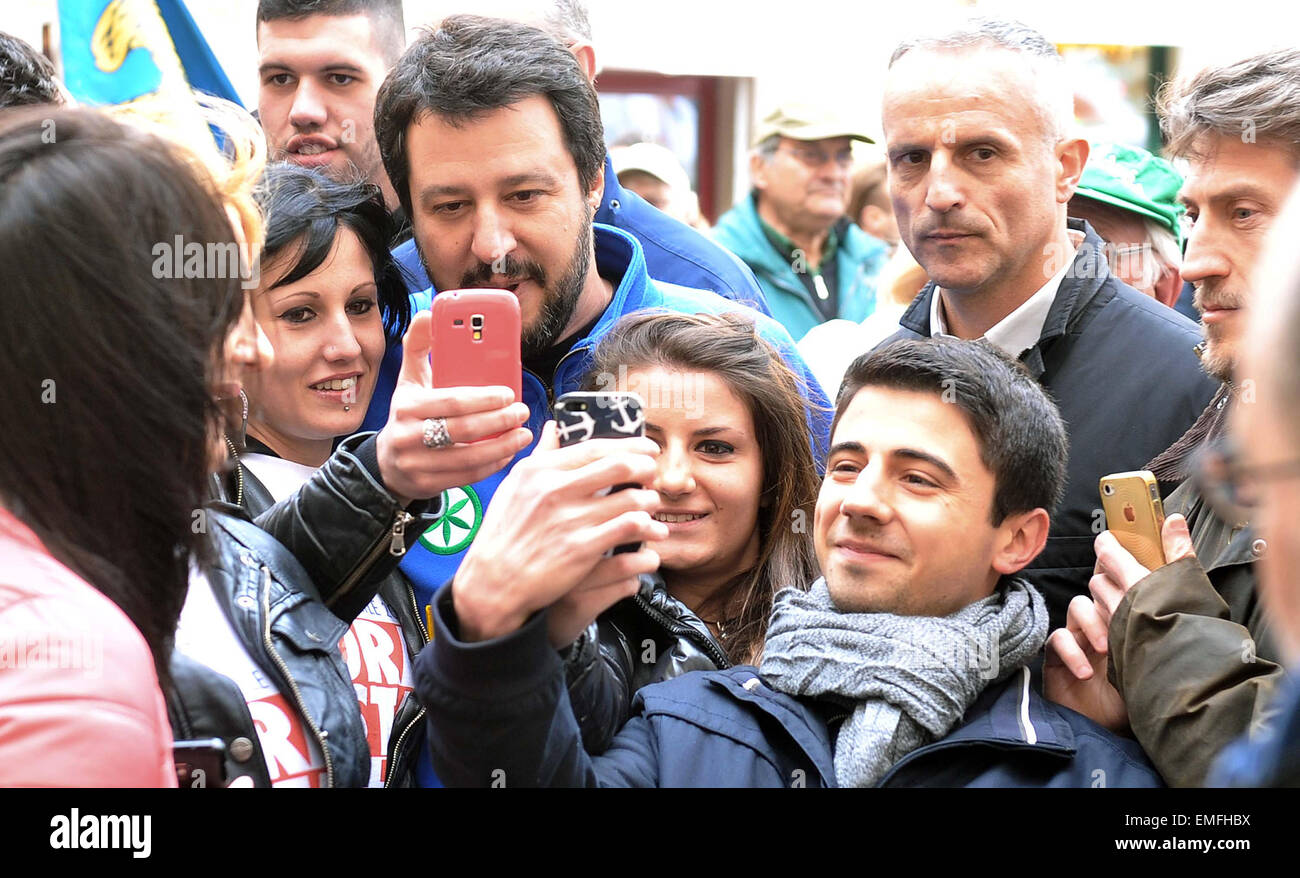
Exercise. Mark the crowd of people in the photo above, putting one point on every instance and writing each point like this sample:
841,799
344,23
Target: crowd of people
860,542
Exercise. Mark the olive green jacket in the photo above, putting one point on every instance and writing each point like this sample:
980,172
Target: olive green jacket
1189,648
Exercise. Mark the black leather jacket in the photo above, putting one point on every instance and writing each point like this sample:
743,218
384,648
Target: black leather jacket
647,638
407,734
291,583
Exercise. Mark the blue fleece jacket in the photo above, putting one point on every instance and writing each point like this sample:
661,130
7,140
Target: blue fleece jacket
858,260
435,558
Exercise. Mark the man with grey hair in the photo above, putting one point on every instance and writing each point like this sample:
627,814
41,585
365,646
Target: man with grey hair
1188,646
982,165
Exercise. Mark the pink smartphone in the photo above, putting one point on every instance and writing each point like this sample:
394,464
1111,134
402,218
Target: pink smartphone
476,340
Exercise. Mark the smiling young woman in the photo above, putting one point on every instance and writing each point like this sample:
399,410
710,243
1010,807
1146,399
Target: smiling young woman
330,300
737,482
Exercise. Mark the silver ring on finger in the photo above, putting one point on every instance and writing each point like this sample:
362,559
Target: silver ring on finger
435,433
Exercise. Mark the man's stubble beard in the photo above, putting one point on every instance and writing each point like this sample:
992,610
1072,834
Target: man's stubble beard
1217,358
559,303
371,168
1219,354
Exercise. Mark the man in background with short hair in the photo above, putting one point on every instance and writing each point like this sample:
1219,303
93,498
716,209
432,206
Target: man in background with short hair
977,123
320,64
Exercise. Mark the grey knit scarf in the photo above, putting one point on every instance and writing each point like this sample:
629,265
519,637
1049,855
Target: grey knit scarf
908,679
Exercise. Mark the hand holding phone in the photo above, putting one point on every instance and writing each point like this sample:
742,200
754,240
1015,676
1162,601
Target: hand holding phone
1135,515
546,538
485,422
600,415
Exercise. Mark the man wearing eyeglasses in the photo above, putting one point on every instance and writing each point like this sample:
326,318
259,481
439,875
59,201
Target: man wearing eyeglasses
1129,196
810,259
1186,647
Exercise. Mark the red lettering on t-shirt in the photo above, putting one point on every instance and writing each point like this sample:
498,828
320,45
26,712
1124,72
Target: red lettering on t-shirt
284,744
376,658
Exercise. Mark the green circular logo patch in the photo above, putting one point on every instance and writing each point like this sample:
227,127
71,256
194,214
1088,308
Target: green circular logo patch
461,518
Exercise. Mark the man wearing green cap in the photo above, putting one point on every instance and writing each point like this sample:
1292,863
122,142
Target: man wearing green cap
1130,197
810,259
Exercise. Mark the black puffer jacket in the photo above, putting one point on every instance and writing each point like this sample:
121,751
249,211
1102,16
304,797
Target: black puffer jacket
647,638
290,584
407,734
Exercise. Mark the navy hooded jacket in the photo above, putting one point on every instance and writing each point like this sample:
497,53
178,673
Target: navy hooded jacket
499,714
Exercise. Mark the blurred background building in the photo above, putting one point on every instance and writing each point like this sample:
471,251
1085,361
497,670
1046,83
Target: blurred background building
694,75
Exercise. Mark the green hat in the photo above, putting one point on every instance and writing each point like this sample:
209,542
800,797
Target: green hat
1133,179
806,122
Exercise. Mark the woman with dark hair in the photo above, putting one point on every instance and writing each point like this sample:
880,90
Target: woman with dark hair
737,481
109,430
120,366
330,299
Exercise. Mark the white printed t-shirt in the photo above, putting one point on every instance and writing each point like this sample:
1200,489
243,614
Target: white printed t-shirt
293,756
373,647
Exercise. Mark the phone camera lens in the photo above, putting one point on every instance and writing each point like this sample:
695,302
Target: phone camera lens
476,322
1108,490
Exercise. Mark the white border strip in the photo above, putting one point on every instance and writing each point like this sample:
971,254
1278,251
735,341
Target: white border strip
1026,727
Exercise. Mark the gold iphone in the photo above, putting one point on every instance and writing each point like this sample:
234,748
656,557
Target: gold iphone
1135,515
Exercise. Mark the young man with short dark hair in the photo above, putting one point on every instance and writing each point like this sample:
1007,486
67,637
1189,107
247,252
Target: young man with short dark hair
320,63
904,665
